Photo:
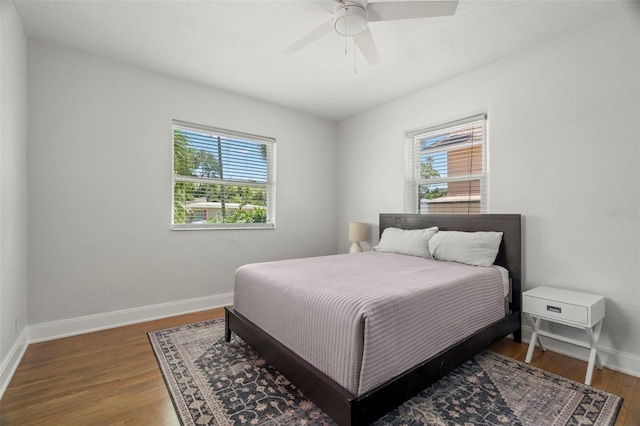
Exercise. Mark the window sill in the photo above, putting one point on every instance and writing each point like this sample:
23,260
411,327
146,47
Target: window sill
222,227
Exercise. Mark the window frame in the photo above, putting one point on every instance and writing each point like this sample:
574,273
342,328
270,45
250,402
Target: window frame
413,178
269,185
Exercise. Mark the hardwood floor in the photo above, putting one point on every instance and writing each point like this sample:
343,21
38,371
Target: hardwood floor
111,377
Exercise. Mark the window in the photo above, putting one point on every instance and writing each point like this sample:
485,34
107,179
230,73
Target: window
222,179
446,168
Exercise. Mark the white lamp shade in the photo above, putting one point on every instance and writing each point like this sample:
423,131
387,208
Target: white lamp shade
357,231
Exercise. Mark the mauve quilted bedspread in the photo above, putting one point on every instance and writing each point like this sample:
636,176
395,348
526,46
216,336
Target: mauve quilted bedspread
364,318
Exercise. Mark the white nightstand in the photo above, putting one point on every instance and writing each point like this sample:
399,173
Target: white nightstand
580,310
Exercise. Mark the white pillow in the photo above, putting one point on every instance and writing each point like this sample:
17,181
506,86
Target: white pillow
414,242
472,248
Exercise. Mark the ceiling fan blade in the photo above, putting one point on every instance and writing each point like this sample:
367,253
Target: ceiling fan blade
387,11
314,35
327,5
367,46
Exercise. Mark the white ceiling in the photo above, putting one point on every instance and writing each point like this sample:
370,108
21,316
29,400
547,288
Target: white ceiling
238,45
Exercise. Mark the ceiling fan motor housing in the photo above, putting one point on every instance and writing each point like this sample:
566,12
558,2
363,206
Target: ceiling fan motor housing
350,19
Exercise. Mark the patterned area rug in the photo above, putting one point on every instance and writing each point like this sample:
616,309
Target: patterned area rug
216,383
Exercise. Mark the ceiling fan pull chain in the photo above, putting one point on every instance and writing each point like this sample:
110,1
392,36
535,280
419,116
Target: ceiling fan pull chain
345,34
354,56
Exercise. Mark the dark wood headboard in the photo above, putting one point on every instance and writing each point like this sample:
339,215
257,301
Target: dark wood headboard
509,256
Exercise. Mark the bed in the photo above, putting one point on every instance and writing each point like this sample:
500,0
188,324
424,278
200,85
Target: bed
340,386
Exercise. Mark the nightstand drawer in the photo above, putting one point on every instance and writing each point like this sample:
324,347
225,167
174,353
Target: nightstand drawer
556,310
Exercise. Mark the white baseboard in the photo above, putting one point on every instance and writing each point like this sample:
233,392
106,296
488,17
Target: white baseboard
87,324
10,362
620,361
74,326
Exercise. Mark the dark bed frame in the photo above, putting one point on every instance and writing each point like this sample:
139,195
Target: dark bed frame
348,409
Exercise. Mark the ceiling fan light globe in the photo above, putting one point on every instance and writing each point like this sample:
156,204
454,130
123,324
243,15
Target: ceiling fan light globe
350,19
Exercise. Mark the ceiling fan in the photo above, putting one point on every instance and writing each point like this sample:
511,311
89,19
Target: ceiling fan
351,18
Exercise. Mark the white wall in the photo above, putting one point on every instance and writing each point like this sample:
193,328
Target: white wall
99,181
13,185
563,123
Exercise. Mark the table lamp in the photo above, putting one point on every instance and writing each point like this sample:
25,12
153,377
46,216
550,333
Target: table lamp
357,233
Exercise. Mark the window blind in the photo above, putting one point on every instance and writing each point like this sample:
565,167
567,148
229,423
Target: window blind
222,178
447,168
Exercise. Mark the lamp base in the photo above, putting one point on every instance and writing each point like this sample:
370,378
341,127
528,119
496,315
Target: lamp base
355,247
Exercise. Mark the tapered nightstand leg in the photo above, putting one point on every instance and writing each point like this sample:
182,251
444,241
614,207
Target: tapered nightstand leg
535,323
592,356
593,341
594,359
532,346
